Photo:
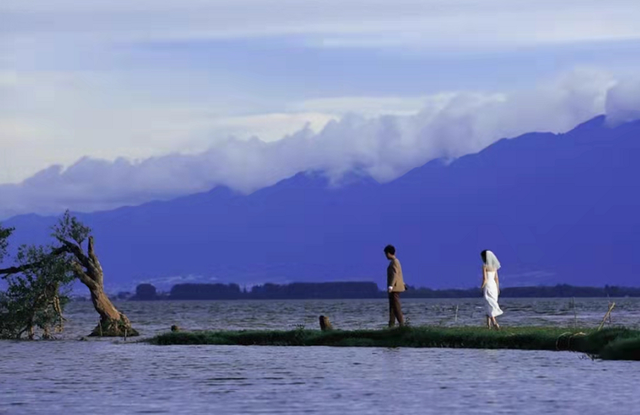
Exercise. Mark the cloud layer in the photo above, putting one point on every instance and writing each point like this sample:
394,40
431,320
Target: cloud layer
329,23
384,146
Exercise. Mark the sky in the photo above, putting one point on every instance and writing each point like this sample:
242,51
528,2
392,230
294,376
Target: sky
110,103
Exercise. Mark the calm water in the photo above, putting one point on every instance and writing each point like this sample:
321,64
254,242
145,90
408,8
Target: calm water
112,377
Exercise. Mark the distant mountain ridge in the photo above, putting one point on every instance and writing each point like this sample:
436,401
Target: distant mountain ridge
556,208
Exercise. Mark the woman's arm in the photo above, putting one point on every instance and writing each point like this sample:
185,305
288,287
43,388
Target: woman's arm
484,277
497,282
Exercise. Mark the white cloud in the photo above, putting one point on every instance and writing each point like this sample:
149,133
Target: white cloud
270,127
384,146
623,102
8,79
370,106
58,117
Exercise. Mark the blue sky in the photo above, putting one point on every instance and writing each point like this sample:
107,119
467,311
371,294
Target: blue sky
153,78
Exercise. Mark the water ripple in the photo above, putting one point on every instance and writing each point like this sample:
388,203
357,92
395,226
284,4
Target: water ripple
107,377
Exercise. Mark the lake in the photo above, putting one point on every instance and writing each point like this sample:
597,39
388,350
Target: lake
109,376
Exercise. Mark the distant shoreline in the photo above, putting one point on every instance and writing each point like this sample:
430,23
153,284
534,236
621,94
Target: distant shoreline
356,290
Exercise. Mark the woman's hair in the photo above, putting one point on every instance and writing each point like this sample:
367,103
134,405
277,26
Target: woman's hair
483,255
490,260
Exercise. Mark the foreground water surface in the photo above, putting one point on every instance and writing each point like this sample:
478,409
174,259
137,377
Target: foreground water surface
112,377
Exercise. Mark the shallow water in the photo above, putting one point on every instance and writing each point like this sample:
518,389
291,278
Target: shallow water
112,377
154,317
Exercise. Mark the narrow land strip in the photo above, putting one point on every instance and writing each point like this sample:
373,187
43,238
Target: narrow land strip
611,344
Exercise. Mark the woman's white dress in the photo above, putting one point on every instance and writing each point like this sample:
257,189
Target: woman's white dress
491,295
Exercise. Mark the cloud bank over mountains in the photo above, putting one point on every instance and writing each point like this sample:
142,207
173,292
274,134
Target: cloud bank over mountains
382,146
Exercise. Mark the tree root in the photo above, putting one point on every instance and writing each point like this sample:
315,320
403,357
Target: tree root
114,328
569,336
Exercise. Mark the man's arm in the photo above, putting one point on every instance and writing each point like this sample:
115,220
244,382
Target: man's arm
392,275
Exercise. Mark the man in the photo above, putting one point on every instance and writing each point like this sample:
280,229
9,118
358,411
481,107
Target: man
395,286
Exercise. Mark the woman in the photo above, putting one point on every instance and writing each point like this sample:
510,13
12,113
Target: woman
491,287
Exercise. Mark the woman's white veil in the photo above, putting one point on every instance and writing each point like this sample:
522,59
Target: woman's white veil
491,261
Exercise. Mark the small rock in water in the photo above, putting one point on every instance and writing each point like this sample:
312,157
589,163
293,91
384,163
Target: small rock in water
175,328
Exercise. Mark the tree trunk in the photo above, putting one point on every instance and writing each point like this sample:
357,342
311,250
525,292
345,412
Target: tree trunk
89,271
112,322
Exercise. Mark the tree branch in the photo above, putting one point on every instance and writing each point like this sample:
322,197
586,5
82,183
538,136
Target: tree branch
15,270
78,264
76,251
96,263
82,276
21,268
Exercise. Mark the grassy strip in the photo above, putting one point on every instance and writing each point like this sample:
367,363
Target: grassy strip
622,349
615,343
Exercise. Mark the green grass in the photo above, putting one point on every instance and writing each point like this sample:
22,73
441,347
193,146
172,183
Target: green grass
622,349
613,343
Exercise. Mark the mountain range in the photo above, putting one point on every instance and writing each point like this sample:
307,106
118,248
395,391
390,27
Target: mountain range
555,208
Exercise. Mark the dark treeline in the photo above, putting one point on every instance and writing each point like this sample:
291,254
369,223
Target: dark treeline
352,290
207,292
300,290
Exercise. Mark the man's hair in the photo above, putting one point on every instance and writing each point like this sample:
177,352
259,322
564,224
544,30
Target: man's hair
390,249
